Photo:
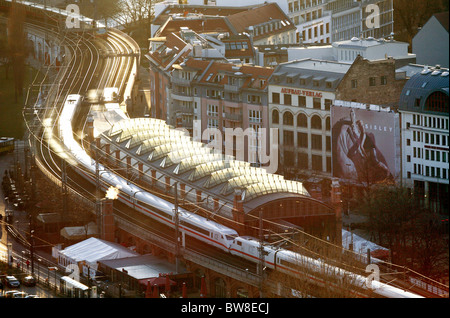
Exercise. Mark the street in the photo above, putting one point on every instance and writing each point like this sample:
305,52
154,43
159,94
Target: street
20,253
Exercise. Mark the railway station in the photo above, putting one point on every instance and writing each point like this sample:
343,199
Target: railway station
157,156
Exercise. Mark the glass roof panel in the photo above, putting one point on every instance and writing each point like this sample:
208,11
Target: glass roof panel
274,186
242,181
183,153
224,175
150,144
196,160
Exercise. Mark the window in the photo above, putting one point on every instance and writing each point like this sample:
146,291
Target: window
417,102
317,103
328,104
213,123
316,142
255,116
302,120
276,98
275,117
302,140
354,83
302,159
372,81
213,110
316,122
317,163
289,159
288,119
302,101
287,99
383,80
328,143
254,99
288,138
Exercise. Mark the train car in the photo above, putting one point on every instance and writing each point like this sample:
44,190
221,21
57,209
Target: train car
6,145
163,211
208,231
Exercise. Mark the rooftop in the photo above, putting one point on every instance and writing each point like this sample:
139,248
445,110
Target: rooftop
196,165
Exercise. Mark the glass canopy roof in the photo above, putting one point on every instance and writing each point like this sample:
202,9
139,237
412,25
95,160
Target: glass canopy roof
175,147
273,186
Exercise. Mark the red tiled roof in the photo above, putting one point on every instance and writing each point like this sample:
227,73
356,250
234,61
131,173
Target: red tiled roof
253,74
258,15
196,9
198,25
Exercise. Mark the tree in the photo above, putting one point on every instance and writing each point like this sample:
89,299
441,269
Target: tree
100,9
17,46
401,224
5,54
410,15
139,15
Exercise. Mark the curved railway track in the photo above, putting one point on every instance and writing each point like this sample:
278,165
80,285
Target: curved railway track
95,63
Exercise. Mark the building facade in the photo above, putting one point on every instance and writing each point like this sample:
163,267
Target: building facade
425,129
372,82
300,97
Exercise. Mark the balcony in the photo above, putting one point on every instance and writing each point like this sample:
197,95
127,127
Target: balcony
179,96
231,88
232,117
180,81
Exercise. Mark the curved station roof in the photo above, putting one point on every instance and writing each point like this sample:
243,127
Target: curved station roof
175,154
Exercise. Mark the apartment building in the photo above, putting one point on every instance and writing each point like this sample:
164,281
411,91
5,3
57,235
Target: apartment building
210,95
425,128
300,97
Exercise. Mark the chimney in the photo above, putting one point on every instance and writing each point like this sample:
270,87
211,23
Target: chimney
108,227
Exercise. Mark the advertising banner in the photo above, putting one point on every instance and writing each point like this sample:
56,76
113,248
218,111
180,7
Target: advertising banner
365,143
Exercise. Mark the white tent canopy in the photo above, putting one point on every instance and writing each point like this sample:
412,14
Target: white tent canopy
79,232
91,251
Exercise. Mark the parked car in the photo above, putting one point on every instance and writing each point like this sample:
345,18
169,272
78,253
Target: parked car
32,296
10,293
29,281
12,282
20,294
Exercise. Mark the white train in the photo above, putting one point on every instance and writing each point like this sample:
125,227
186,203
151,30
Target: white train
205,230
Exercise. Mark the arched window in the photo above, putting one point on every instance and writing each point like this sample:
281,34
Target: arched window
288,119
302,121
316,122
327,123
437,102
275,117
